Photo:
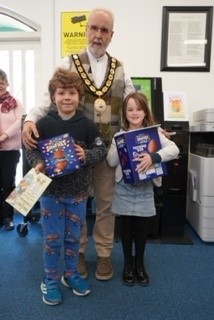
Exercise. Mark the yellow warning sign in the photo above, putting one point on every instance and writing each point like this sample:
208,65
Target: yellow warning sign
73,36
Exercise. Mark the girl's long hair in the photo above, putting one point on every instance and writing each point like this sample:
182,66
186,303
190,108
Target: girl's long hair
141,100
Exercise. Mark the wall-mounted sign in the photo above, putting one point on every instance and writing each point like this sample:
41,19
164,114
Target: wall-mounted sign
186,38
73,36
175,106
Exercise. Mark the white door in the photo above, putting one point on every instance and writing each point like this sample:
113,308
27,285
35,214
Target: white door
21,62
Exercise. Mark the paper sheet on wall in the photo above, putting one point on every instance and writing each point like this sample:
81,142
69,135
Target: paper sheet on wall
28,191
175,106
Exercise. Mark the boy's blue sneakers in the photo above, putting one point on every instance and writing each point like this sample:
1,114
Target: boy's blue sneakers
79,285
51,292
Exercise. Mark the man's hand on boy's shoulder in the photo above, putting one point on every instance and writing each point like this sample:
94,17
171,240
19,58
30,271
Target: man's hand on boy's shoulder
29,130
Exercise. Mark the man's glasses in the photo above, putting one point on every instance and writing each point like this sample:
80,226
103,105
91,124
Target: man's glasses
104,31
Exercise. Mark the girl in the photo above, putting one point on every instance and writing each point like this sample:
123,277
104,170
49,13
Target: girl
135,202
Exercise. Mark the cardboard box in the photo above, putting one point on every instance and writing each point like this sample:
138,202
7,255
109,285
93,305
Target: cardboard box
133,143
59,155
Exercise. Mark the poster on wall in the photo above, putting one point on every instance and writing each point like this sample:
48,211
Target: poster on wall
175,106
73,37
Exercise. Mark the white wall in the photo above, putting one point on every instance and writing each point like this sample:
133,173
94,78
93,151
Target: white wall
41,12
137,41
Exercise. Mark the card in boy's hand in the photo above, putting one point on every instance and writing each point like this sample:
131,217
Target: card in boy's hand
59,155
28,191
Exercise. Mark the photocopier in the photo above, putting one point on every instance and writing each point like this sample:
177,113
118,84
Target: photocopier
200,186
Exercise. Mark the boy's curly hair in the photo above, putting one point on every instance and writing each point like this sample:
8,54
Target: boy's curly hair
63,78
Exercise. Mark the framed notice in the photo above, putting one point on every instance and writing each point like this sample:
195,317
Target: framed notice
186,38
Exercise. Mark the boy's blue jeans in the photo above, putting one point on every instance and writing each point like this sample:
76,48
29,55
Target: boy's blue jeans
62,221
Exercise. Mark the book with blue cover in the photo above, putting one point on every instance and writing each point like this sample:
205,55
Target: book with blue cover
59,155
134,143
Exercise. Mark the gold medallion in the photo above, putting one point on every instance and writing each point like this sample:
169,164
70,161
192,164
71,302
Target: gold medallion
100,105
103,112
84,75
99,92
104,89
87,82
92,88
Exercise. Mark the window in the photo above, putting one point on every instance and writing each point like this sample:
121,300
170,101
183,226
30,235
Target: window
20,59
8,23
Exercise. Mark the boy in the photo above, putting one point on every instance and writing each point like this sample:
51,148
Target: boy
63,204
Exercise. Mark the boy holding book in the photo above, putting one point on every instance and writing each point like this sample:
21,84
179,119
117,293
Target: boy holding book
63,204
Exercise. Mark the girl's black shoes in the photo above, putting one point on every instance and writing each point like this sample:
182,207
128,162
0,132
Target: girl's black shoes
129,272
140,272
134,270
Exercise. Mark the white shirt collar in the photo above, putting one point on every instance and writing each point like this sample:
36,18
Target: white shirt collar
92,59
98,68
